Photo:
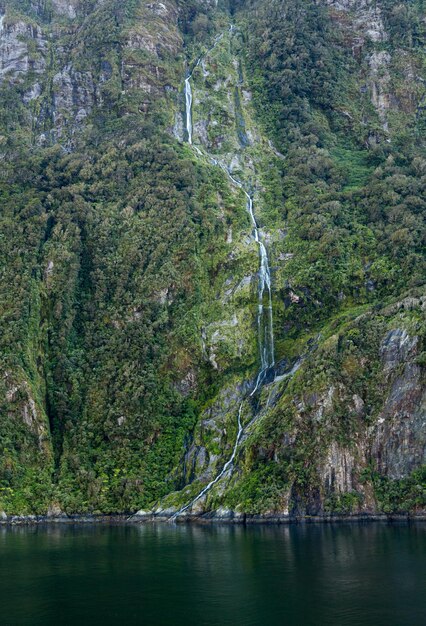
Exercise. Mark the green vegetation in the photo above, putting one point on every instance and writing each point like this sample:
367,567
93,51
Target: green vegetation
128,284
400,496
317,426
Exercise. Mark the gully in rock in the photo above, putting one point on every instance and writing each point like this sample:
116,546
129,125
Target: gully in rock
188,93
188,104
264,314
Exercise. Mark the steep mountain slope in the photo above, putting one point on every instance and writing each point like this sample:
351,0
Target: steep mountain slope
315,443
129,290
106,225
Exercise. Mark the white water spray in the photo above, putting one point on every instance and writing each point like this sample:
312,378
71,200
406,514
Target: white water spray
188,102
188,105
264,314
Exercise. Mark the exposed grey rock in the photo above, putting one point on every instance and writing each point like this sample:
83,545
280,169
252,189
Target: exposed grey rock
285,256
158,8
106,71
178,127
201,131
397,347
23,48
187,384
223,513
359,405
399,443
33,93
54,510
338,471
73,98
142,514
67,8
379,62
368,21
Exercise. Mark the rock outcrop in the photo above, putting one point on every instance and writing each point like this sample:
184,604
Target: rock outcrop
23,49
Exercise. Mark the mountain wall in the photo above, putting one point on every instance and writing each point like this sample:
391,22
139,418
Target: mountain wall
129,283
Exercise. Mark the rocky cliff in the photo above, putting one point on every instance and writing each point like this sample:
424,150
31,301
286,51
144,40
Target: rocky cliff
130,281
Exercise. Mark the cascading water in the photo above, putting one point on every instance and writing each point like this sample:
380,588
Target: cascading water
264,312
188,93
188,106
188,102
225,468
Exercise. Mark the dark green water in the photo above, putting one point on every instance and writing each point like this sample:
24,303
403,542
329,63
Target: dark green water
336,575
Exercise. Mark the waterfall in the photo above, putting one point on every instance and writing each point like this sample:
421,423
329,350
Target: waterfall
188,108
188,92
221,473
264,314
188,102
264,308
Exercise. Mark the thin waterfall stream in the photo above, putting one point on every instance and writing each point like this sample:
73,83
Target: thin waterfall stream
264,311
188,92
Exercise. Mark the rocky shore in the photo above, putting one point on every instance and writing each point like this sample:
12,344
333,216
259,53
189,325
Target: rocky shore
220,516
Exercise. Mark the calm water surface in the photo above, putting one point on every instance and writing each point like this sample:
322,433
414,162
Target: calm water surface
333,575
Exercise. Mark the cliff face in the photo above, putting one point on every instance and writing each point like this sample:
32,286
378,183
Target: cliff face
130,284
74,57
386,46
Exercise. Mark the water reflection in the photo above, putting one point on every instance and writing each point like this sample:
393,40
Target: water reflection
164,574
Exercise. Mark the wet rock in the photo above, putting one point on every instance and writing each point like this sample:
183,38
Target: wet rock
223,513
142,514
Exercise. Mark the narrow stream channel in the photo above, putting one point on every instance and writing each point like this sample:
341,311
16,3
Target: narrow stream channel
264,311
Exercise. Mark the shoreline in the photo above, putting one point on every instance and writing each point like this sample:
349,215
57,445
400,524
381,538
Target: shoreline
208,519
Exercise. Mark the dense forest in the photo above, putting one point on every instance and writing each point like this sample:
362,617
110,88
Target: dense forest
128,290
